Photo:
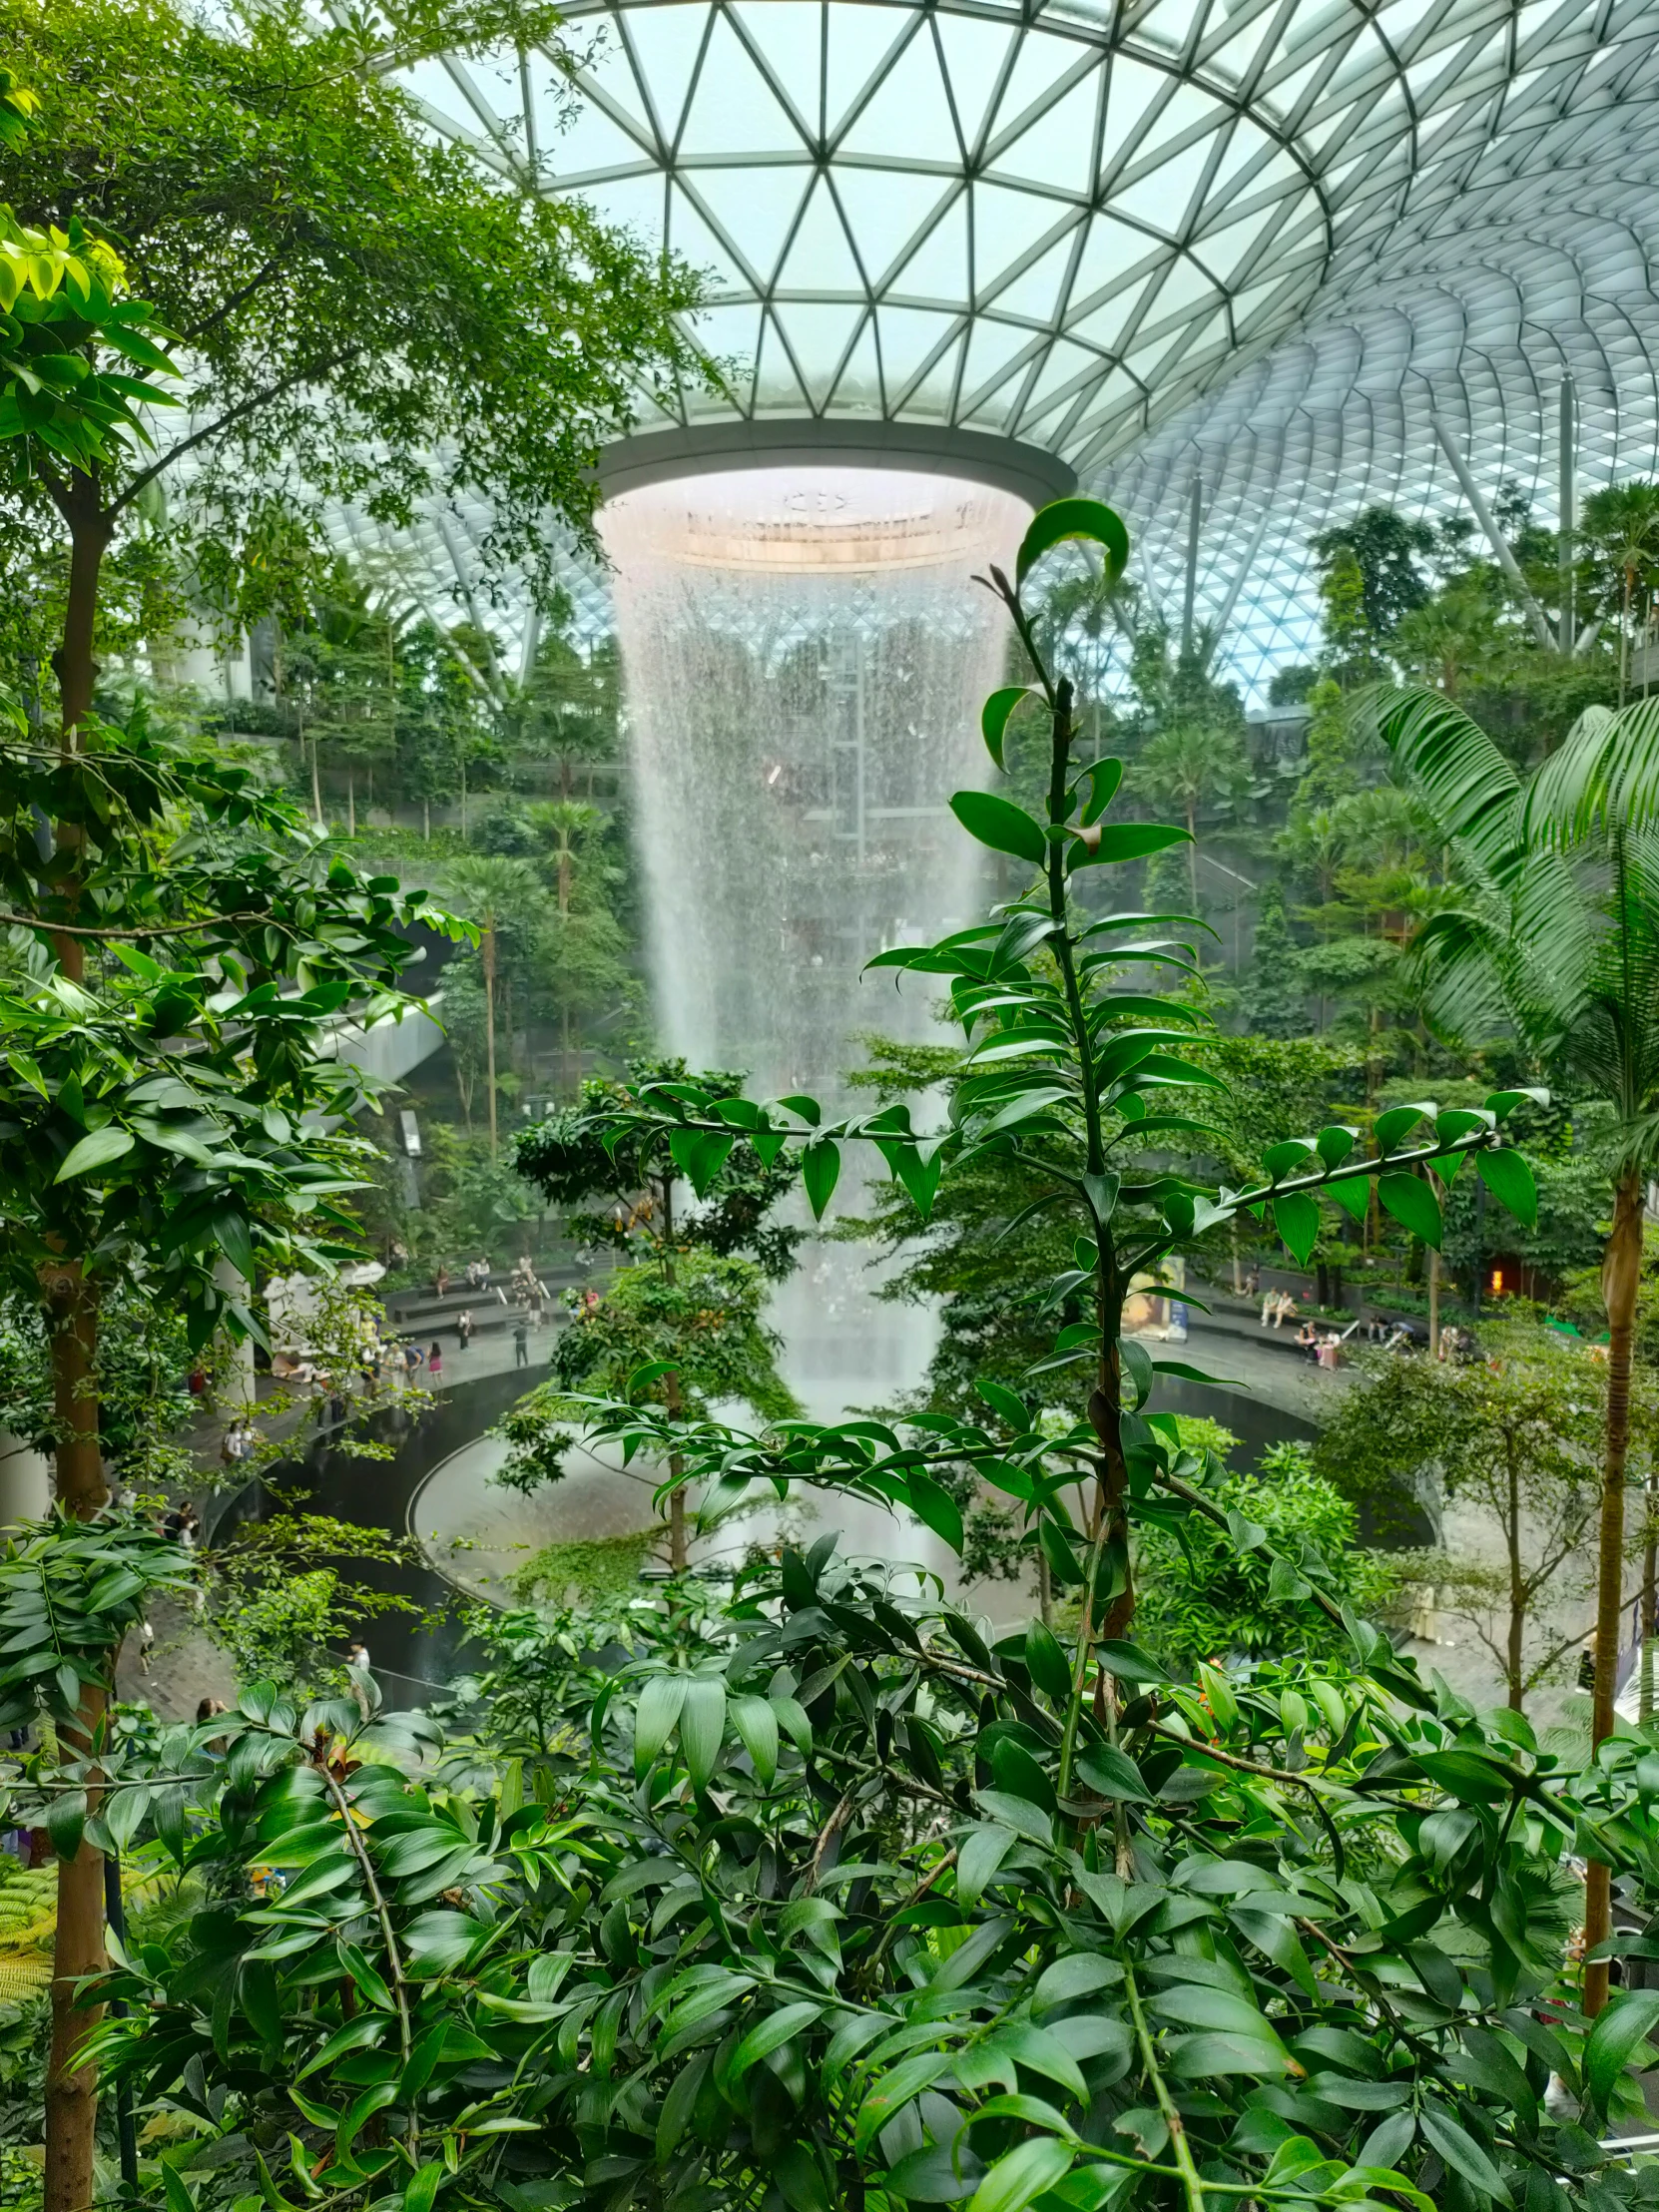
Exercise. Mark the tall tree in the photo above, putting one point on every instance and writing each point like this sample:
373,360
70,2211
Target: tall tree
1618,536
252,180
1379,556
1557,942
490,891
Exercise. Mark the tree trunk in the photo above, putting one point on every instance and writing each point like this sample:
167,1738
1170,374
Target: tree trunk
1650,1601
426,821
90,531
1621,1269
489,1025
1192,851
316,780
78,1945
678,1554
1517,1588
350,802
1433,1303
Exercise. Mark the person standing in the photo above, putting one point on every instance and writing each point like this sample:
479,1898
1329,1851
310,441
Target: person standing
521,1344
465,1328
434,1362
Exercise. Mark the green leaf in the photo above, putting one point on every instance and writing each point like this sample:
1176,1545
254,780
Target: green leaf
97,1151
1510,1179
932,1504
1023,2173
756,1727
1296,1215
1353,1194
1413,1204
700,1154
423,2187
772,2034
894,2092
66,1817
701,1725
1460,2150
820,1167
1046,1663
1113,1773
1129,1663
1002,825
1629,2018
1080,1973
993,718
654,1719
978,1859
1127,841
1392,1127
1502,1104
1055,524
1104,778
235,1239
679,2103
176,2190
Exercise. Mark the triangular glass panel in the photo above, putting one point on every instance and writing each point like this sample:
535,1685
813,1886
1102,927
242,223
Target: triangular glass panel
1037,294
664,44
633,202
733,110
1058,148
939,269
860,39
1168,23
731,339
1185,286
1113,253
1041,65
909,335
859,388
778,389
1161,199
1227,251
818,337
885,210
1133,92
993,349
1068,370
611,69
908,110
1112,327
975,54
1008,224
820,258
790,36
934,397
593,142
698,243
755,207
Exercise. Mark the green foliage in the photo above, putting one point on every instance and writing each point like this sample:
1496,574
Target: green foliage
276,1599
595,1575
1219,1593
797,1905
116,1150
1515,1439
253,178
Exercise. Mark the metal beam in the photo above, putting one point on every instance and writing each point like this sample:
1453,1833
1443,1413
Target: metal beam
1499,544
1195,515
1568,508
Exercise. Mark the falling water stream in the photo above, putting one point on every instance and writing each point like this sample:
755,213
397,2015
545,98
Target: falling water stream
804,653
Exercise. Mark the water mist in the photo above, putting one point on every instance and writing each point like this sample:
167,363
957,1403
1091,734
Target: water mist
804,656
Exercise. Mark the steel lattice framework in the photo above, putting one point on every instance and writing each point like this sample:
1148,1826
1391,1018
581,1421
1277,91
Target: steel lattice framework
1259,242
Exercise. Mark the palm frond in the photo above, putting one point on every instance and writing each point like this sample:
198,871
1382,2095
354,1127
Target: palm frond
1567,800
1468,786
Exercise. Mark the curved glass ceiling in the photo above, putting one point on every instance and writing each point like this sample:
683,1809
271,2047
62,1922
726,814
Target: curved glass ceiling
1252,241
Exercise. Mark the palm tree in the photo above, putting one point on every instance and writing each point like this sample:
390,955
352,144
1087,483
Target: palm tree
486,890
1190,765
1619,533
1556,940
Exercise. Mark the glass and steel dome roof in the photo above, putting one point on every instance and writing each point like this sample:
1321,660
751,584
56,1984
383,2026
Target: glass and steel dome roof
1258,241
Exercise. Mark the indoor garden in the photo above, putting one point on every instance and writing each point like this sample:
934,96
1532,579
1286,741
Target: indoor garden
829,1104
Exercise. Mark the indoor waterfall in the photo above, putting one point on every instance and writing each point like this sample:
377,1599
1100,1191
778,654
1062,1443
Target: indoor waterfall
804,653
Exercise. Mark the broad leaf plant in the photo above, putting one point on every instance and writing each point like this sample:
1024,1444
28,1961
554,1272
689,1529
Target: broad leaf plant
829,1903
